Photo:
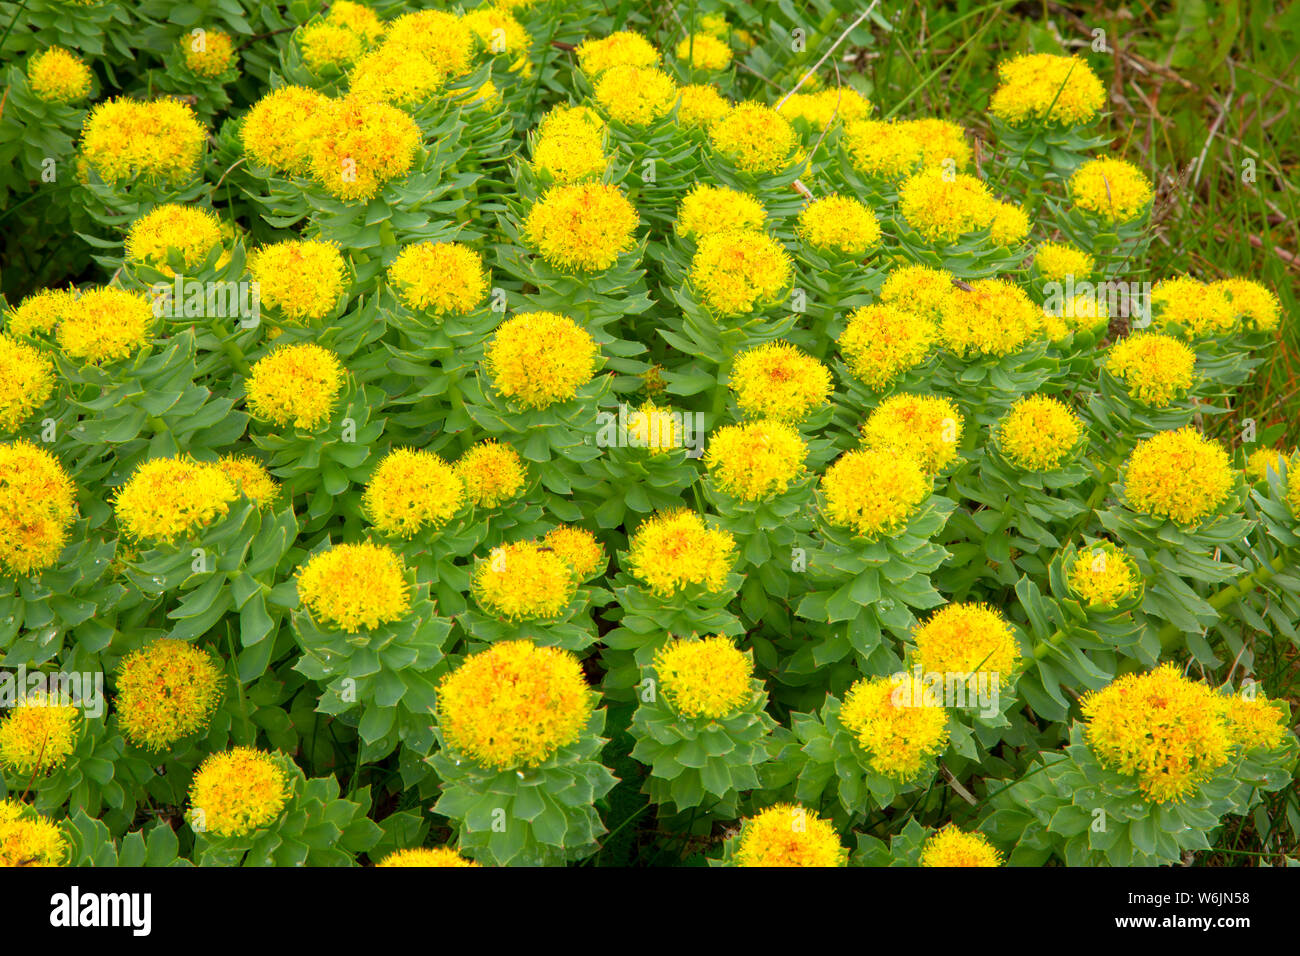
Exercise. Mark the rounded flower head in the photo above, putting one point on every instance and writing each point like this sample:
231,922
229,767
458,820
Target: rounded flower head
250,476
169,498
756,460
514,705
524,581
395,74
302,278
1197,310
1254,723
953,847
626,48
1039,433
943,207
926,428
579,549
822,108
586,226
658,430
967,639
636,95
295,385
1054,261
883,341
104,325
704,52
209,54
162,141
38,505
739,271
700,105
1009,225
274,130
921,290
873,492
789,835
708,209
1043,88
41,312
328,48
755,137
236,792
442,278
192,230
426,856
1155,368
412,490
492,474
540,358
677,549
165,692
891,720
57,76
777,380
39,735
28,839
1263,460
1103,576
26,382
1167,731
942,142
1111,189
1178,475
359,145
839,224
443,38
570,144
497,30
882,149
995,317
358,18
1256,305
705,678
354,587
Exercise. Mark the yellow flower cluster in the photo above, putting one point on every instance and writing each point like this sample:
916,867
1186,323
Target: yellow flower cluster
236,792
191,230
1044,88
26,382
28,839
104,324
992,317
707,678
492,474
540,358
208,54
822,108
1263,460
359,145
250,477
166,691
675,550
873,491
1040,433
274,132
38,504
889,150
57,76
926,428
158,142
702,51
1113,190
953,847
884,340
777,380
296,385
839,224
1103,575
897,728
524,581
739,271
570,144
700,105
39,735
411,490
625,48
1197,309
707,209
441,278
1155,368
966,639
1056,260
922,290
355,587
636,95
789,835
169,498
1178,475
438,856
583,226
755,460
944,207
303,279
579,549
755,137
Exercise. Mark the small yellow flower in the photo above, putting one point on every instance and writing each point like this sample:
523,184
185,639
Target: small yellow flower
953,847
1156,368
626,48
514,705
943,143
395,74
1178,475
822,108
579,549
704,678
756,460
41,312
426,856
273,132
354,587
967,639
295,385
540,358
493,474
523,581
584,226
1040,433
26,382
1167,731
700,105
250,477
28,839
412,490
443,38
755,137
943,208
1197,309
1054,261
328,47
166,691
1103,575
777,380
702,51
441,278
38,504
497,30
57,76
39,735
927,428
208,55
168,498
236,792
789,835
677,549
919,289
993,317
872,492
1009,226
882,149
1043,88
1258,306
883,341
658,430
358,18
839,224
708,209
161,141
359,145
105,324
739,271
636,95
1111,189
1264,460
900,731
1254,723
302,278
570,144
193,230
